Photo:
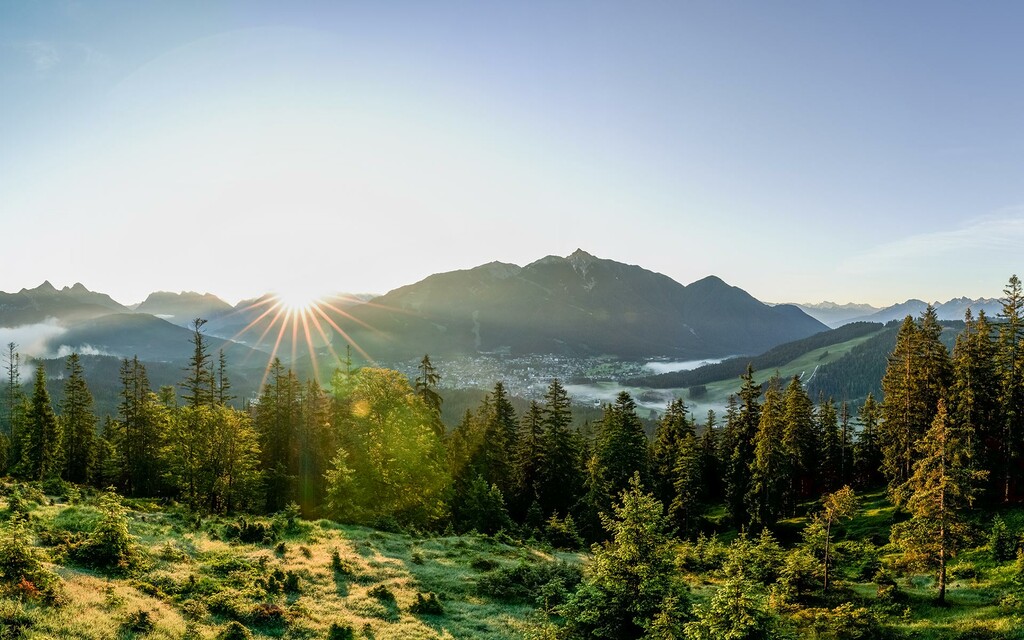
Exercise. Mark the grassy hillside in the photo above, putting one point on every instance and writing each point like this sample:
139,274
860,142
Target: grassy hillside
194,577
282,577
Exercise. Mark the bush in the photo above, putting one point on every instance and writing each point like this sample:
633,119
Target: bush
562,534
140,622
15,619
1001,544
338,565
266,614
291,582
22,573
110,545
381,593
522,582
252,531
340,632
428,606
702,556
235,631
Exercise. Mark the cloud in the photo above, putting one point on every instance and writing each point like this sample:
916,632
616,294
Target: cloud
995,238
83,350
33,339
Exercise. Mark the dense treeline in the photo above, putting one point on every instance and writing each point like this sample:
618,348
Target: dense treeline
775,357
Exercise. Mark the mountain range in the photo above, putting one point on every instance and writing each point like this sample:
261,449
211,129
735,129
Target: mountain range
836,315
578,305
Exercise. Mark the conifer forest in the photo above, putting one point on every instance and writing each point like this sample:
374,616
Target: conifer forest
353,511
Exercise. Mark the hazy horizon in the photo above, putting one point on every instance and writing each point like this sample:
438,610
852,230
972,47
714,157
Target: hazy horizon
804,151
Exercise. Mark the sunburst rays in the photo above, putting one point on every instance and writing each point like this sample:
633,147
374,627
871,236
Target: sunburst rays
300,318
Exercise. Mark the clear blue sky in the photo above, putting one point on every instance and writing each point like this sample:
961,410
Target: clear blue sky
864,151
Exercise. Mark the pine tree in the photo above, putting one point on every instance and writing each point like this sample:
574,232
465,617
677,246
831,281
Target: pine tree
561,477
529,458
141,432
943,484
622,447
42,449
867,453
14,408
198,388
673,427
276,418
915,379
632,588
741,431
770,471
974,392
688,487
426,385
78,423
800,443
222,385
828,435
1010,363
710,463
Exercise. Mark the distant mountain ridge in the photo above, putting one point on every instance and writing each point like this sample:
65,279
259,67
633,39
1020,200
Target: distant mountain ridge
181,308
836,315
579,305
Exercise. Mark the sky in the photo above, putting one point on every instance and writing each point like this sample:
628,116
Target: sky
803,151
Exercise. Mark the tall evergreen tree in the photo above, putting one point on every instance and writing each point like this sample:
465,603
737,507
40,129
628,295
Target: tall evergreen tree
561,477
141,431
742,431
42,450
198,388
829,437
14,407
943,484
622,447
710,463
673,427
529,459
867,453
770,471
915,379
426,388
800,443
222,384
276,418
78,423
1010,363
974,393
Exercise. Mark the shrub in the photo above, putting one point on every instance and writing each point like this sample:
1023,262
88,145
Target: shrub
252,531
522,582
338,565
1001,544
235,631
22,573
428,606
110,545
15,619
266,614
562,534
139,621
704,555
381,593
291,582
340,632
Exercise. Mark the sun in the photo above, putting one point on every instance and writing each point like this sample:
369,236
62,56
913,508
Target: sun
297,300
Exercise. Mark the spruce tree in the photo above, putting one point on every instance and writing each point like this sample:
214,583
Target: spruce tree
198,388
622,447
426,384
974,392
800,443
529,458
867,453
942,486
1010,363
78,423
561,477
741,431
673,427
42,451
770,470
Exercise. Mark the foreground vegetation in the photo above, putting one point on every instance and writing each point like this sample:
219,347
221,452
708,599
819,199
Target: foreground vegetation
82,565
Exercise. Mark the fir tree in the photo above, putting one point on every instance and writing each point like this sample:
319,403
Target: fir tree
741,431
770,470
622,448
943,484
561,478
42,449
198,388
1010,363
800,443
673,427
426,384
867,454
78,423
